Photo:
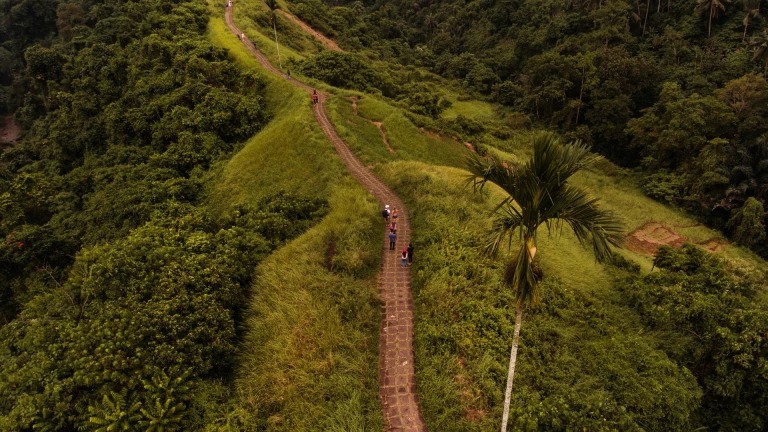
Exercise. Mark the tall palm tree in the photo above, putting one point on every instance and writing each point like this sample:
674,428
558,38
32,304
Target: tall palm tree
753,11
711,7
539,194
760,44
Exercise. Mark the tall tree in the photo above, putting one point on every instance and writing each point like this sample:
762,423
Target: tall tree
760,44
713,8
752,11
539,194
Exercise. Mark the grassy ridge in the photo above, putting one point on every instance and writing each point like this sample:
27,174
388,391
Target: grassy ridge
290,153
254,18
309,358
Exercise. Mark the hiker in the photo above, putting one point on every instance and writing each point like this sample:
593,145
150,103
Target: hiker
392,239
410,253
393,227
242,37
314,96
385,213
404,259
288,75
394,213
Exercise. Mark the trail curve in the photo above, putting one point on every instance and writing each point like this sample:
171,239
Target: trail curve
397,378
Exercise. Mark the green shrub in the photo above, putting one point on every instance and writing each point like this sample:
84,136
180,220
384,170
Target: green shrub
346,71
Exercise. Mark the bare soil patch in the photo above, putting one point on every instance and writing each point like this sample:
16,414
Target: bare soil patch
378,125
651,236
468,400
329,254
9,130
384,137
434,135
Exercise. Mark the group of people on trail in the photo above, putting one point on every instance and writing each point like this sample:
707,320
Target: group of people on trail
390,219
314,96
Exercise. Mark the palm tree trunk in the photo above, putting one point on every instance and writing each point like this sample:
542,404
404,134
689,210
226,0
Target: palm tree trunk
512,363
647,8
711,12
581,94
746,24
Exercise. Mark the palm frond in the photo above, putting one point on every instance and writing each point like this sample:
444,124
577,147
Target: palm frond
589,223
553,163
506,223
482,171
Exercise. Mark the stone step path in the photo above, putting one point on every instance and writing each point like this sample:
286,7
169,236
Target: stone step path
397,378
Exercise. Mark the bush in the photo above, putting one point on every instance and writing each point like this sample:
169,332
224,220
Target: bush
346,71
714,327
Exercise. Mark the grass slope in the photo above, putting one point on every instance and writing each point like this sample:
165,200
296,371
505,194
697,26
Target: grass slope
404,137
290,153
580,346
309,360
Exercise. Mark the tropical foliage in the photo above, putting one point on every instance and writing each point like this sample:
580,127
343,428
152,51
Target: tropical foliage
121,292
614,74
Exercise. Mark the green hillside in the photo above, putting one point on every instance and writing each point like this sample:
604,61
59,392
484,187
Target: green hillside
185,250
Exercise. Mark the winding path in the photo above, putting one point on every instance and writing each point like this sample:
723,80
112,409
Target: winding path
397,378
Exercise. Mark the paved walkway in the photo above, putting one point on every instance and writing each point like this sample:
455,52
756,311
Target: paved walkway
397,379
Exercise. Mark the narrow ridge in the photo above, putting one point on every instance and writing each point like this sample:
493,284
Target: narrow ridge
397,377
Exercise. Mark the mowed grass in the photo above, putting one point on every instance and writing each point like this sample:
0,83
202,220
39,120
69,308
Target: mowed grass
473,109
404,137
309,359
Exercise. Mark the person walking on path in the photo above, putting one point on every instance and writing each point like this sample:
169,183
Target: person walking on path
410,253
314,96
394,213
288,75
393,227
392,240
385,213
404,259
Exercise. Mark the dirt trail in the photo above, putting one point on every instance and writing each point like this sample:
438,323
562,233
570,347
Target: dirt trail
379,125
397,378
328,43
9,130
384,136
651,236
